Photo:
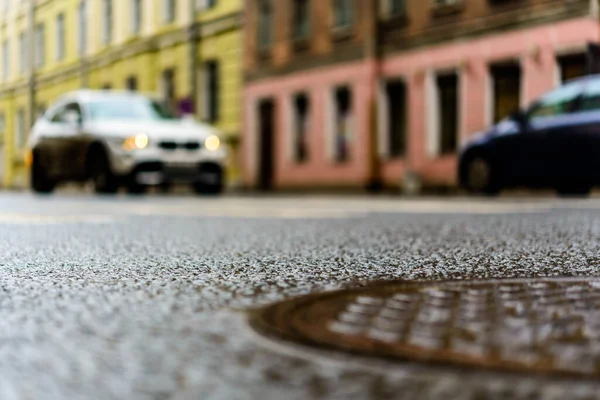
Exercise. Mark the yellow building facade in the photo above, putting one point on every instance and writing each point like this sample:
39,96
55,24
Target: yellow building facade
188,51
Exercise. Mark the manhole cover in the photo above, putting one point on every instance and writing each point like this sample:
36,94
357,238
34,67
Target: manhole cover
537,325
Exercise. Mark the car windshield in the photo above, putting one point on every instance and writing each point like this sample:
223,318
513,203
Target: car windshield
129,109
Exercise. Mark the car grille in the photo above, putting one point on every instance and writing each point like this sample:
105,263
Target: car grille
172,145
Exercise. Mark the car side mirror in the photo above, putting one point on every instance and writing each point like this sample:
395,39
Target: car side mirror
71,118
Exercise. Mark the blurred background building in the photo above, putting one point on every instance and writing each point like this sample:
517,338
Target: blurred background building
325,93
186,50
365,93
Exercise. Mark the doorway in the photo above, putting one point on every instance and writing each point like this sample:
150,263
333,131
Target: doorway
266,117
506,81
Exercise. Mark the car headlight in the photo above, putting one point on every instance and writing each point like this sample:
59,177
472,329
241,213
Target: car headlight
139,141
212,143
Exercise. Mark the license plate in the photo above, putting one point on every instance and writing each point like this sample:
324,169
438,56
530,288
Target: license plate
180,165
210,178
149,178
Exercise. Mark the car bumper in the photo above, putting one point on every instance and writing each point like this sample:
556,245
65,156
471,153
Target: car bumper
181,164
156,173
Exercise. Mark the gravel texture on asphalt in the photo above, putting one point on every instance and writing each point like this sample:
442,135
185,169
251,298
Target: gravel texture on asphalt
155,306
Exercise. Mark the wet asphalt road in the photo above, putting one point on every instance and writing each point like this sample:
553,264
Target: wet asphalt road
147,298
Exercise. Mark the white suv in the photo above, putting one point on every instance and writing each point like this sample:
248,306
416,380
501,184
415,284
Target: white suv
122,139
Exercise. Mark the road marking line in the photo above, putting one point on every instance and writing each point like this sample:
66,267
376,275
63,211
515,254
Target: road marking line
53,219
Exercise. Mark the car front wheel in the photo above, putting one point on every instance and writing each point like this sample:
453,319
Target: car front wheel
480,177
103,180
40,182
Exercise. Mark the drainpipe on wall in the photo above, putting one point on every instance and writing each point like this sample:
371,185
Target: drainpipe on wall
31,61
193,38
373,52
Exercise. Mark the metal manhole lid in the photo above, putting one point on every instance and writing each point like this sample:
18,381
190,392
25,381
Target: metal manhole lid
542,325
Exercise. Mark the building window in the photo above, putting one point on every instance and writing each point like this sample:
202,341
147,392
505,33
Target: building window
301,19
20,131
448,101
265,22
395,92
82,27
442,3
343,123
108,21
40,42
205,4
572,66
506,85
393,8
301,126
212,76
131,84
168,89
41,110
22,52
343,13
6,59
60,36
170,9
136,15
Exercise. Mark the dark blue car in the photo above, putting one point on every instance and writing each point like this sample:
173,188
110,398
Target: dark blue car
555,143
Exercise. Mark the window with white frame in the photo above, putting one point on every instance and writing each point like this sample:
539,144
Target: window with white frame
60,36
170,9
82,18
22,52
441,3
448,112
265,23
202,5
343,13
41,110
168,89
396,118
40,45
343,123
20,135
108,21
393,8
212,84
6,59
131,83
506,86
301,19
136,15
300,127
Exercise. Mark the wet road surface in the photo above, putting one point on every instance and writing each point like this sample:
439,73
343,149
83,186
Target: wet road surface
148,298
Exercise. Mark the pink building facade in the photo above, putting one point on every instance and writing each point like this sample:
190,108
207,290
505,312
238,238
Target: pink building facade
536,50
